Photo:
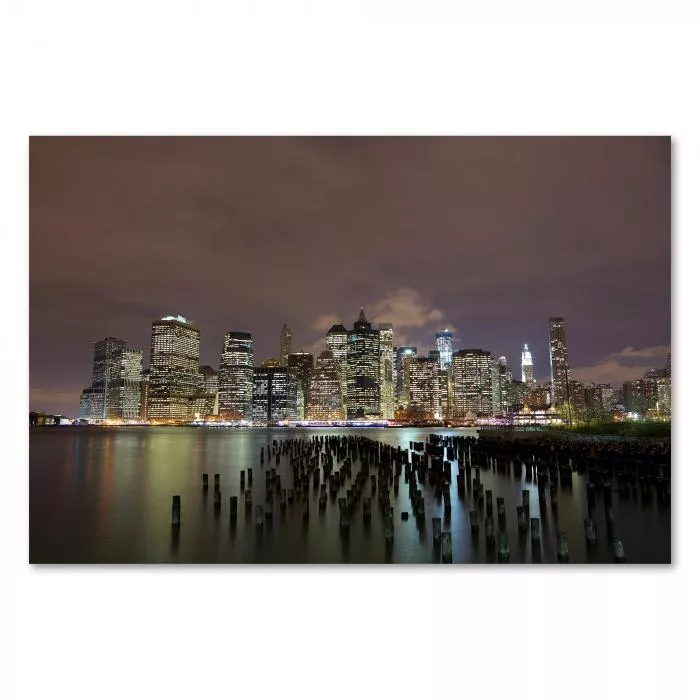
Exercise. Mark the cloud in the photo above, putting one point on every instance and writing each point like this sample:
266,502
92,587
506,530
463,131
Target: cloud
405,308
611,371
655,351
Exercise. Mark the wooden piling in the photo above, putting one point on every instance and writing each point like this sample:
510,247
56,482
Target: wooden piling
446,538
176,511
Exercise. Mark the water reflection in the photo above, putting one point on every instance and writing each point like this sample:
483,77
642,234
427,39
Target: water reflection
106,495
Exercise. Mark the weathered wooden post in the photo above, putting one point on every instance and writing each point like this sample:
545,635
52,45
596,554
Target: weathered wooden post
526,503
562,547
591,531
437,532
474,522
259,517
489,503
618,550
535,532
522,520
176,512
446,547
205,482
242,479
233,509
217,501
503,548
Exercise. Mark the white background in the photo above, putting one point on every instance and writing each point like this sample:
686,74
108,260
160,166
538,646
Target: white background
347,68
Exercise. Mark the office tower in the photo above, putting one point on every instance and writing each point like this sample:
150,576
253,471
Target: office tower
501,387
610,397
325,396
271,362
130,375
558,360
473,383
363,377
537,397
236,377
443,344
527,368
386,369
300,365
424,388
404,355
174,370
143,409
444,394
270,397
116,382
663,396
634,396
518,393
593,400
285,345
207,398
337,343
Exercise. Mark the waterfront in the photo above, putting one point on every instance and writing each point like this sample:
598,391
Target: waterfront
105,494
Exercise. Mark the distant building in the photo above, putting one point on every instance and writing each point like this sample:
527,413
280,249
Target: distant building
443,345
285,344
143,409
386,369
424,388
501,381
363,376
473,384
559,360
528,371
174,371
116,382
270,394
271,362
301,365
325,396
593,399
537,397
236,377
404,355
207,398
337,343
577,395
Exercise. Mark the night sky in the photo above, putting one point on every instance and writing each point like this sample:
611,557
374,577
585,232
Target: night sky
486,236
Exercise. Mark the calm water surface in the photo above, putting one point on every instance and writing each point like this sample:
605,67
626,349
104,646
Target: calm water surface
104,495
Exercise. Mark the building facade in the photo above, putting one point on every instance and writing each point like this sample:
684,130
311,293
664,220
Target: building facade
528,370
363,375
337,343
174,370
558,360
270,394
473,384
424,388
325,396
386,369
404,355
301,365
236,377
285,344
444,346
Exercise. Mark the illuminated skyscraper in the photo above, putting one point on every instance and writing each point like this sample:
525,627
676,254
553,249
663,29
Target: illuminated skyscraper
558,360
270,393
207,398
236,377
174,371
285,344
301,365
337,343
325,398
443,344
386,370
424,388
403,359
527,368
363,374
501,379
116,382
473,383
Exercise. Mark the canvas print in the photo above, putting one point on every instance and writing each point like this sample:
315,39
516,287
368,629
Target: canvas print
350,350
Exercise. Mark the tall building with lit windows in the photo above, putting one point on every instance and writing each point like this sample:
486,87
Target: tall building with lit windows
325,397
174,378
386,369
558,360
115,392
301,365
270,393
443,345
285,344
528,371
473,383
404,355
236,377
424,388
337,343
363,375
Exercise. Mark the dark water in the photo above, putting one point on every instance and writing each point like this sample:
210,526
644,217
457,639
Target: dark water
104,495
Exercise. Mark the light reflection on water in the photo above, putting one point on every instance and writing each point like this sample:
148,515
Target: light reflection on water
105,495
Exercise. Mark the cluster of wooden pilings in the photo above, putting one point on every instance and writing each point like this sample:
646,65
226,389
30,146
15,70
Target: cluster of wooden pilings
325,465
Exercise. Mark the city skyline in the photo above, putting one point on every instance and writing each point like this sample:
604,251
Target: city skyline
598,207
